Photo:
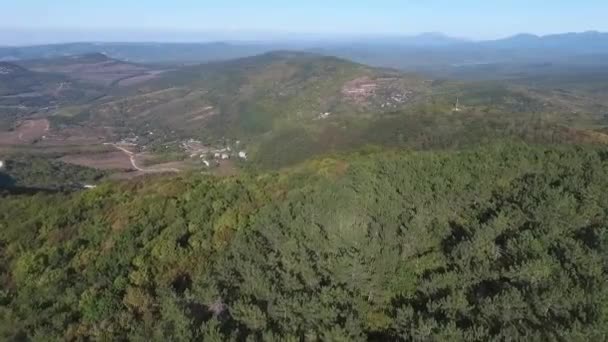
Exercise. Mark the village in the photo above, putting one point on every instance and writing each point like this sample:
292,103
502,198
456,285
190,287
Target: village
198,152
213,155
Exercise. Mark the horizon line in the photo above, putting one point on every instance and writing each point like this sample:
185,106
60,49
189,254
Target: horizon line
271,36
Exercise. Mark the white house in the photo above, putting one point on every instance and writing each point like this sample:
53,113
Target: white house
225,156
1,164
243,155
206,163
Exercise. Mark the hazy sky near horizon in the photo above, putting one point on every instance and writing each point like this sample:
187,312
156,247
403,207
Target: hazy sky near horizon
476,19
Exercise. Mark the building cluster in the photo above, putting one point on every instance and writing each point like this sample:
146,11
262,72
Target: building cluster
212,155
395,99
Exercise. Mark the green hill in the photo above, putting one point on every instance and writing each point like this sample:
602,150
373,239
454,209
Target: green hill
504,242
256,99
252,96
285,107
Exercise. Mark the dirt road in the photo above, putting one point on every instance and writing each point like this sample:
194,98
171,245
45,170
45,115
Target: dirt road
132,157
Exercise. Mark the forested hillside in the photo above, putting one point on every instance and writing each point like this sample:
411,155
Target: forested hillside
249,97
503,242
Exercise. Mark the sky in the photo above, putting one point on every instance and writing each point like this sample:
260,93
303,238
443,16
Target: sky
34,21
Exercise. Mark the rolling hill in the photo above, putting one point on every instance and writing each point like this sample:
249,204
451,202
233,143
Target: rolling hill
287,106
254,98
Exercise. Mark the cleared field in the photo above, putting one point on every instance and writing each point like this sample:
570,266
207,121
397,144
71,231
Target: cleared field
76,136
115,160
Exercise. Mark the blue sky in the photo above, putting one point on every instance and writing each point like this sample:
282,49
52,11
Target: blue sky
476,19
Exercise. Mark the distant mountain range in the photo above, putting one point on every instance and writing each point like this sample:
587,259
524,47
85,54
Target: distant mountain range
436,50
591,41
406,52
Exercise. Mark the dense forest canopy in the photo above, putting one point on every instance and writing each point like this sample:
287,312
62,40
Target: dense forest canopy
503,242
